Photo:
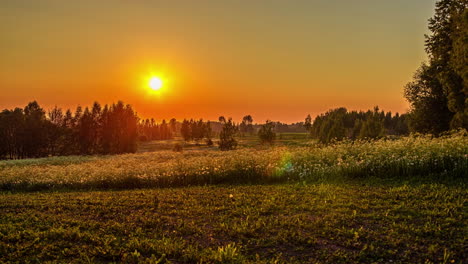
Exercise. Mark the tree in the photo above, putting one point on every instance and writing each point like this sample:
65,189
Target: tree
185,130
438,95
34,137
164,130
429,102
308,123
246,125
120,129
85,132
12,125
373,126
208,133
330,126
28,132
55,132
226,136
266,133
458,100
173,125
96,128
198,130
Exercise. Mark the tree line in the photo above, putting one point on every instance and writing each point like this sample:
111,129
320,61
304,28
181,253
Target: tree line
338,124
30,133
148,129
196,131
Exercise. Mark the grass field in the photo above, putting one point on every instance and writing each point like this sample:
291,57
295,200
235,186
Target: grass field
407,159
246,141
388,201
320,223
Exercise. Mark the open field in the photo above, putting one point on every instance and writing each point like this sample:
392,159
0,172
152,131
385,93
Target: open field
246,141
388,201
413,158
319,223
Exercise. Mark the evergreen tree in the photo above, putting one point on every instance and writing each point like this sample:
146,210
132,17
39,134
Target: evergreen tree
373,126
34,137
185,130
438,95
227,134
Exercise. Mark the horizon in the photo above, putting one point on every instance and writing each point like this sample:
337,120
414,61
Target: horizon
255,121
275,60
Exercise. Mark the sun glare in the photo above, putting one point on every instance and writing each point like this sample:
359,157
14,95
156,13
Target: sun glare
155,83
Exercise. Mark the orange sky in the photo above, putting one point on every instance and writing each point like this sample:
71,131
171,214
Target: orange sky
278,60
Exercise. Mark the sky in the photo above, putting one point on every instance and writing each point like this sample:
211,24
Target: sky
272,59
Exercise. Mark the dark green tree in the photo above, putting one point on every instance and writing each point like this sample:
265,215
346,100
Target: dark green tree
227,139
267,133
439,89
35,133
373,126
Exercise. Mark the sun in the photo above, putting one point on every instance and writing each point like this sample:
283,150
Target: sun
155,83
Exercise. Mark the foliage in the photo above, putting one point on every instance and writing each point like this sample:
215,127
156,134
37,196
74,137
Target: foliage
373,126
149,130
227,134
266,133
196,130
246,126
29,133
438,94
185,130
339,124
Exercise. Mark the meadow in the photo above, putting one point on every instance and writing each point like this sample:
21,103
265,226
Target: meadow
388,201
409,158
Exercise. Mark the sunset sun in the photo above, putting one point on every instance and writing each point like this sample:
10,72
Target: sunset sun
155,83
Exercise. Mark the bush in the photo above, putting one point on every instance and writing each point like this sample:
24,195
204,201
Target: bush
266,133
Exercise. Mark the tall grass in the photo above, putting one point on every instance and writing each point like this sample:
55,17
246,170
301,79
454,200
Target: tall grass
417,156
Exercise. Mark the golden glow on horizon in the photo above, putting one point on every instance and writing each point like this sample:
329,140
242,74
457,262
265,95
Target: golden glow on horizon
155,83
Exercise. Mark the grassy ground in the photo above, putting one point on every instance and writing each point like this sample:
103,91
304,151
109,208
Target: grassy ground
246,141
388,201
321,223
406,159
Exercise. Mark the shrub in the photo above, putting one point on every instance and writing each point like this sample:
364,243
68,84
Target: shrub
266,133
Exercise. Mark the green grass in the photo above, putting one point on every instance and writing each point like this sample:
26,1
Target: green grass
406,159
320,223
386,201
164,145
246,141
